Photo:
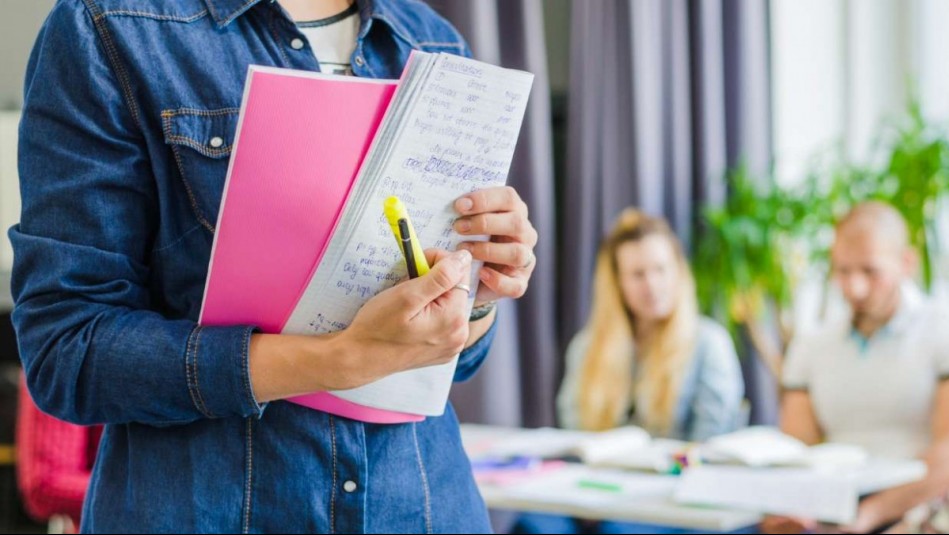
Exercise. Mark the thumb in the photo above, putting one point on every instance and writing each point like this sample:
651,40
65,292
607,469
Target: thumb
435,256
451,270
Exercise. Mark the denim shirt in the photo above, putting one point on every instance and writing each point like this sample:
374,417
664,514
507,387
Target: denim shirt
121,184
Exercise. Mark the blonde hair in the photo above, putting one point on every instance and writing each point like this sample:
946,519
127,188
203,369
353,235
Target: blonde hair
606,385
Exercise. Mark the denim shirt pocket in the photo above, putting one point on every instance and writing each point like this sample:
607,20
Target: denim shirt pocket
201,141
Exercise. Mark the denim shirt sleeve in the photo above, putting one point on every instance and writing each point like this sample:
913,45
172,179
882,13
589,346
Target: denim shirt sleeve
719,389
473,357
93,349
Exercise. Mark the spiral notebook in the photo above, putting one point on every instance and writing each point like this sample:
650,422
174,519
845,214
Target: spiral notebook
301,241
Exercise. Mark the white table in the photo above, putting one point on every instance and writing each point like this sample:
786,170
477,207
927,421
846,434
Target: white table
653,506
645,498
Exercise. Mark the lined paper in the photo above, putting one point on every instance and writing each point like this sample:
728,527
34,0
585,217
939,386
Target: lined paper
451,129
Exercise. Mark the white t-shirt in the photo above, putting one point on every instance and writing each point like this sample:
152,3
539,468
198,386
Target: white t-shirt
877,393
333,40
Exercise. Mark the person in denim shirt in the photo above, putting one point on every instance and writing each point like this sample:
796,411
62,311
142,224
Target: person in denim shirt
129,118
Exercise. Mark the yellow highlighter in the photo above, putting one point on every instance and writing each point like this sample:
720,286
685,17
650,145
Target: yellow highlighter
404,234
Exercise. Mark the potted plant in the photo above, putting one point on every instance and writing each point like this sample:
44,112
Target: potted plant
753,250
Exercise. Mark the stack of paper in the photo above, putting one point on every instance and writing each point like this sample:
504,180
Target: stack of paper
762,470
658,455
451,129
286,229
614,443
544,442
630,448
828,495
782,491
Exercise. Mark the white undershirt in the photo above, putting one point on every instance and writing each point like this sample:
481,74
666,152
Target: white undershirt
333,40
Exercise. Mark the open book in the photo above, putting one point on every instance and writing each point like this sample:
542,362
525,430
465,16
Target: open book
767,446
624,447
302,242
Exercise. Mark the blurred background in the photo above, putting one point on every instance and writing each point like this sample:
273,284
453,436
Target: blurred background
749,124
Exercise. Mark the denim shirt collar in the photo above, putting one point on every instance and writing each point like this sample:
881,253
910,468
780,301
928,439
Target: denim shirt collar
225,11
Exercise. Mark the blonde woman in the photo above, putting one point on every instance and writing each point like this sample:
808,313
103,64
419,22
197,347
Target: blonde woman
645,357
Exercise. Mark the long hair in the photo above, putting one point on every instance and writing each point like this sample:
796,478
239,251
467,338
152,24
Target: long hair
607,387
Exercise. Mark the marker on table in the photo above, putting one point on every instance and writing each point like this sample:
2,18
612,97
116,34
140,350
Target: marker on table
405,236
599,485
514,463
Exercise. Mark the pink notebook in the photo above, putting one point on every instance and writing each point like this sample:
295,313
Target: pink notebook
300,142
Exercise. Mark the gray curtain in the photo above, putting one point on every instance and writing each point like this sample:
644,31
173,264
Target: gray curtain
665,95
518,381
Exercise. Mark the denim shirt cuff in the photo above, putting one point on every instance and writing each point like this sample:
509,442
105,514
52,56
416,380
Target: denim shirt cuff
472,357
218,371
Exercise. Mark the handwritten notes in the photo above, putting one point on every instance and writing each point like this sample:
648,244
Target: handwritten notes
451,129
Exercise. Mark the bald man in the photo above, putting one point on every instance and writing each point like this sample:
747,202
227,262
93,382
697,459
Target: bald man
876,379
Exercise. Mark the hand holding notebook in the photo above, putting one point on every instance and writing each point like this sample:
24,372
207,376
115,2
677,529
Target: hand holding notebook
419,323
302,244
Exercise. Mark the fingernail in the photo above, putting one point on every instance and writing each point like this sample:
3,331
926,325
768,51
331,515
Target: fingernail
463,205
462,225
484,275
464,246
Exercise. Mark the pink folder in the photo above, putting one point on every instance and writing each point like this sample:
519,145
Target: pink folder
300,142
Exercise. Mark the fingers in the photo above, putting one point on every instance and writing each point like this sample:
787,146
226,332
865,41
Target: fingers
453,269
500,199
435,256
512,224
503,284
501,214
515,255
450,311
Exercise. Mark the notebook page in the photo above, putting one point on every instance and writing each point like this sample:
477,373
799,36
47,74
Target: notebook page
456,134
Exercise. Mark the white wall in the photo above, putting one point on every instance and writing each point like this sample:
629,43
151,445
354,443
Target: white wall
930,44
9,186
842,68
19,25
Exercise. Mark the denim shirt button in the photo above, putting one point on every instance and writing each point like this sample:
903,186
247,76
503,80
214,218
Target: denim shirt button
349,486
359,61
217,142
297,44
